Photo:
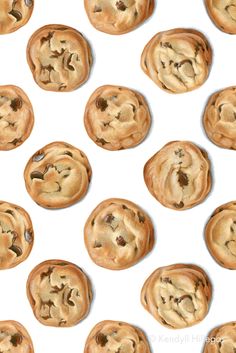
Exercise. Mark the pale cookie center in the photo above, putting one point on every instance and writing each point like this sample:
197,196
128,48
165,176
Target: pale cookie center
227,112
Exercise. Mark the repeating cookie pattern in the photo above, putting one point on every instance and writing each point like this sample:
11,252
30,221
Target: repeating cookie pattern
221,339
14,338
223,14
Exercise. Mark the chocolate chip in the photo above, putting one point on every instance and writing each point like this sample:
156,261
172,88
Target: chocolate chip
179,205
166,280
167,45
97,9
121,241
68,63
16,339
163,300
29,3
16,250
69,301
16,104
102,141
36,175
16,14
101,339
121,6
182,178
109,218
101,104
38,157
46,274
141,217
97,244
48,38
68,153
10,212
28,236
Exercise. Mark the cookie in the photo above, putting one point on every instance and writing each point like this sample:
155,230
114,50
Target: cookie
178,175
219,118
16,117
14,14
57,175
118,234
116,336
118,17
221,339
177,60
223,14
16,235
220,235
59,293
177,296
116,117
59,57
14,338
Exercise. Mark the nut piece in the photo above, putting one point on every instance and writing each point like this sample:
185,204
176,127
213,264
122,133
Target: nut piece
221,339
59,58
118,234
178,175
115,336
58,175
177,60
223,14
59,293
118,17
14,338
178,296
116,117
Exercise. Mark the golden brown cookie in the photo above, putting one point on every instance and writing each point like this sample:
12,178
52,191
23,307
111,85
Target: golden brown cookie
221,339
223,14
178,175
59,293
220,118
116,117
118,234
116,336
177,60
16,235
14,338
16,117
178,296
14,14
220,235
57,175
59,58
118,17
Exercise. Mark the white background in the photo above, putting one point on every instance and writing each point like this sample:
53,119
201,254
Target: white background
59,234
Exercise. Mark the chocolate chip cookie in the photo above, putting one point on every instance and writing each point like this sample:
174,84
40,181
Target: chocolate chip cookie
57,175
16,117
14,338
59,293
223,14
59,57
177,60
14,14
221,339
178,175
178,296
118,17
118,234
115,336
16,235
116,117
219,118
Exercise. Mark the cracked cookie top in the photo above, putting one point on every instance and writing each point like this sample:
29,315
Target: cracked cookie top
59,58
115,336
14,338
14,14
178,175
16,117
177,60
223,14
16,235
57,175
118,234
116,117
59,293
221,339
118,17
178,296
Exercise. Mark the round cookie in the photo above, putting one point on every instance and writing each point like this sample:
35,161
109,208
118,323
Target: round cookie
57,175
14,14
16,235
177,60
223,14
59,57
178,296
59,293
219,118
118,234
116,336
118,17
221,339
220,235
14,338
116,117
178,175
16,117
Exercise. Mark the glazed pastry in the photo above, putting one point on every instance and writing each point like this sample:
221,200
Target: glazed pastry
221,339
16,117
223,14
59,293
59,58
118,17
177,60
14,338
177,296
178,175
116,117
57,175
